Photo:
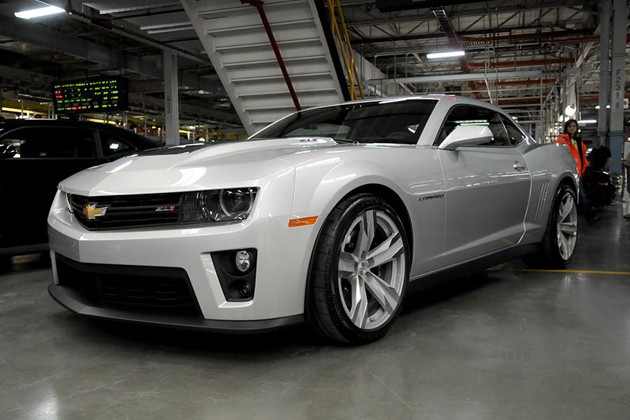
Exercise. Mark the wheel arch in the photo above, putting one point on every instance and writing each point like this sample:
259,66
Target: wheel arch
568,179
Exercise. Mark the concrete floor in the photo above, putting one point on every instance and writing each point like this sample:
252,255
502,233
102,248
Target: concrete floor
507,344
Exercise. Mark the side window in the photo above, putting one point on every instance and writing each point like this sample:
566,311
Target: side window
49,143
475,116
113,144
498,130
514,134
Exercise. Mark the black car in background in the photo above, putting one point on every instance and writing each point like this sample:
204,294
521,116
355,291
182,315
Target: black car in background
34,156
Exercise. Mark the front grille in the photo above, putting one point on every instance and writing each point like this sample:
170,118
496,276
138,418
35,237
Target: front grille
137,288
125,211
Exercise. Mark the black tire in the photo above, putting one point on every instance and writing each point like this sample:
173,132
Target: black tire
345,305
558,244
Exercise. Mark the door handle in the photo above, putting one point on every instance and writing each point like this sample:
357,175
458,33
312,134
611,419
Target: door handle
519,166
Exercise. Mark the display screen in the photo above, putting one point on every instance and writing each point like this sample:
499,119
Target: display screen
91,95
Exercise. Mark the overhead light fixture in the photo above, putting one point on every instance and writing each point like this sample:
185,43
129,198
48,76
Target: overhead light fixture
445,54
39,12
587,121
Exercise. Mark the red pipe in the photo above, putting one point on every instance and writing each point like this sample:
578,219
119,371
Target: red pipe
258,4
525,63
523,82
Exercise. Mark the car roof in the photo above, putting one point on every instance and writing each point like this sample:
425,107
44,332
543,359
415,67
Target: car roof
18,122
440,97
139,140
429,96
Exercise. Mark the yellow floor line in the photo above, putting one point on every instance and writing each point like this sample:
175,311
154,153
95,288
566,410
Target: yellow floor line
613,273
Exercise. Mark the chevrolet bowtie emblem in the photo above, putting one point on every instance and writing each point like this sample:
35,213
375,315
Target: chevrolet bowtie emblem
92,212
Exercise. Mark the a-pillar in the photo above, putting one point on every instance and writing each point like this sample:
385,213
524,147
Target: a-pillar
171,100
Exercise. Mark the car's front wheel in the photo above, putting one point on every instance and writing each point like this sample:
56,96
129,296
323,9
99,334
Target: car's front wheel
359,271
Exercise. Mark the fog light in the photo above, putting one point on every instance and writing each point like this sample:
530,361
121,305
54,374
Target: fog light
243,261
245,289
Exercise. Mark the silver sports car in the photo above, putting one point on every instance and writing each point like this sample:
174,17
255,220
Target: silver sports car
323,217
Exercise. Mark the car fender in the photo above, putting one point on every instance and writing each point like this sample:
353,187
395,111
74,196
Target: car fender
320,187
318,190
550,165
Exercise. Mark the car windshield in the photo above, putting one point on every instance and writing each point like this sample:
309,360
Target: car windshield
394,121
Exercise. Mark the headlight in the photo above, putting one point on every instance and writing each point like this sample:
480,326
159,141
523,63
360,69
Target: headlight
218,205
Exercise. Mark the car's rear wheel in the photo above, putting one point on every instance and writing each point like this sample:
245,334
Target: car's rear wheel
558,245
359,271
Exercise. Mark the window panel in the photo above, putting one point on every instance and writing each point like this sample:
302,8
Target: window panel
475,116
514,134
113,144
49,143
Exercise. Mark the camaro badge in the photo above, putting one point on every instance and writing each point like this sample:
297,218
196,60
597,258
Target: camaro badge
92,212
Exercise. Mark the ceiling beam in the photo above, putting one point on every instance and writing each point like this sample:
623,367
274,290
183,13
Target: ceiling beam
131,31
153,5
35,34
149,66
458,77
486,36
462,10
523,63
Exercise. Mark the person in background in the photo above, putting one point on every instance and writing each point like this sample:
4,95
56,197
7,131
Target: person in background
577,148
599,158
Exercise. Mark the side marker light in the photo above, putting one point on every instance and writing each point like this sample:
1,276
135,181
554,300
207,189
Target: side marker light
303,221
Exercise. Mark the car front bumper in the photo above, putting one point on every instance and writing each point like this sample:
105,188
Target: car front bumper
283,256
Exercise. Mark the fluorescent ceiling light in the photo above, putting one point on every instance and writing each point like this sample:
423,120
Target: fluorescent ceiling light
39,12
445,54
587,121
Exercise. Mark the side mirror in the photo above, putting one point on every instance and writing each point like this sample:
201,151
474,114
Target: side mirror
466,135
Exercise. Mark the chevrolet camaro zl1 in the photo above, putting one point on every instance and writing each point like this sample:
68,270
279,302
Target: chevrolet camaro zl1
323,217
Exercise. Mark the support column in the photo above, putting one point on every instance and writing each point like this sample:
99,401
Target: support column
617,82
604,68
171,100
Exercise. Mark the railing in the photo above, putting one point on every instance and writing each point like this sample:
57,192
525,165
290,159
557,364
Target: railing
345,48
258,4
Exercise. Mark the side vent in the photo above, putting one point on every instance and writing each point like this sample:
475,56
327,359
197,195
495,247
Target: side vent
542,201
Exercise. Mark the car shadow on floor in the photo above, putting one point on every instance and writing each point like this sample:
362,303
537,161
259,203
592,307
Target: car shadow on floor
291,339
425,294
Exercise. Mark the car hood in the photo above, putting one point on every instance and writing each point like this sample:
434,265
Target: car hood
223,164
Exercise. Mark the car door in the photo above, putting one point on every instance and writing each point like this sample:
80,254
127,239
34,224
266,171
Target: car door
487,188
44,156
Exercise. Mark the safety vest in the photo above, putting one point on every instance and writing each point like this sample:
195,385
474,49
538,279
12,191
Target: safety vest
580,158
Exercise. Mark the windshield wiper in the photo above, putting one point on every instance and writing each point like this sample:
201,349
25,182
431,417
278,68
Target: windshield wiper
345,141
